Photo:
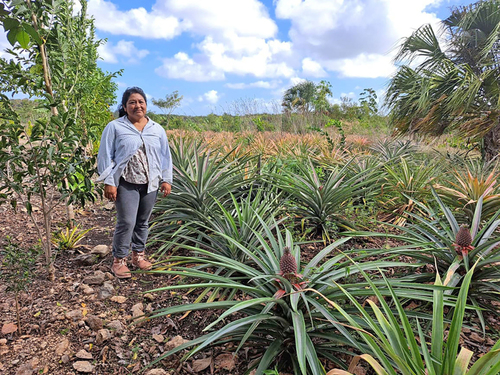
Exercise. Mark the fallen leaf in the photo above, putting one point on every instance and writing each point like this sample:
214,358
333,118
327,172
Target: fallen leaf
37,314
225,361
201,364
477,338
84,310
9,328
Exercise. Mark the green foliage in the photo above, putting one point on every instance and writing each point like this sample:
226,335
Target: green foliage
394,348
54,55
66,72
321,203
469,184
262,125
306,97
202,181
170,103
278,317
18,268
456,84
300,98
433,233
29,110
69,238
337,124
390,150
45,163
368,100
18,265
406,183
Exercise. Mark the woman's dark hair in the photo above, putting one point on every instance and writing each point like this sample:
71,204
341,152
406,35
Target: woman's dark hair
129,91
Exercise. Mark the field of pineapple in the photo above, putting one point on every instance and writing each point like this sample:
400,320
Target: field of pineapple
282,253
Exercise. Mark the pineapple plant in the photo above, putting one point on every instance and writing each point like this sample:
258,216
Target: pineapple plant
288,265
288,270
463,241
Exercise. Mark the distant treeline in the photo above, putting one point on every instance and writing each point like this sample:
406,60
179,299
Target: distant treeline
353,116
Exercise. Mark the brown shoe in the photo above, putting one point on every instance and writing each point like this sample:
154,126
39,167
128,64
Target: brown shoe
120,268
139,260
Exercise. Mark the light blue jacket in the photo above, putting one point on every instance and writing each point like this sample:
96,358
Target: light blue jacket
119,142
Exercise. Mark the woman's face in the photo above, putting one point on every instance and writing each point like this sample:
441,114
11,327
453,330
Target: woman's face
136,107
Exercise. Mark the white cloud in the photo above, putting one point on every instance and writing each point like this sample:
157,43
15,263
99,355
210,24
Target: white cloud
110,53
218,17
258,84
135,22
234,55
312,68
237,37
363,66
169,18
181,66
247,55
355,38
295,81
211,96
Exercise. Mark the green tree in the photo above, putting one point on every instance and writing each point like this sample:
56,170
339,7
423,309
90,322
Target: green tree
368,101
299,98
457,84
53,59
307,97
323,92
170,103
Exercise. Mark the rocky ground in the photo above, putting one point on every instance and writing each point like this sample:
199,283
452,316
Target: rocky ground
87,321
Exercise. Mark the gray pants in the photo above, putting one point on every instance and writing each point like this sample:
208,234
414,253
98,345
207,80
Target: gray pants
133,209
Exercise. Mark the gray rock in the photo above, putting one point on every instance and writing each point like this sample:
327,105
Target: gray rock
94,322
26,369
83,354
137,310
116,326
96,279
106,291
62,347
74,314
87,289
83,366
102,336
101,250
65,359
86,260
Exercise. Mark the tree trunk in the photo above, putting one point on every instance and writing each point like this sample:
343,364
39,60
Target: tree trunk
18,314
491,143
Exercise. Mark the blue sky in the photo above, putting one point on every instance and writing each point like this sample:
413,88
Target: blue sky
239,56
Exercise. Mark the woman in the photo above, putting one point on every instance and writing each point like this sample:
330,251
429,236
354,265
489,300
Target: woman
133,161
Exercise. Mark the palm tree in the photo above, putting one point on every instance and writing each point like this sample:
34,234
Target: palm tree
457,84
300,97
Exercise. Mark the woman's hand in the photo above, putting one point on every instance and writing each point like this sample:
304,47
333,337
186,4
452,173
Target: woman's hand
165,188
110,192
